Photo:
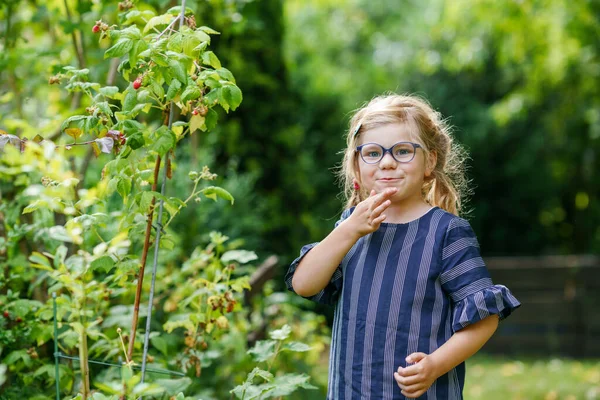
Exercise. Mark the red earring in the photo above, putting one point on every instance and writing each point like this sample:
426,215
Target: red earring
356,185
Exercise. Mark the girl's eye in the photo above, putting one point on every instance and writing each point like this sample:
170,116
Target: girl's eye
373,154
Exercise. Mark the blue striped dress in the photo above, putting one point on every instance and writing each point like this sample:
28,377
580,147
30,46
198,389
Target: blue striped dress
402,289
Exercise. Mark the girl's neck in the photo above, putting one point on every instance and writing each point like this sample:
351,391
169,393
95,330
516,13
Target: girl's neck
408,210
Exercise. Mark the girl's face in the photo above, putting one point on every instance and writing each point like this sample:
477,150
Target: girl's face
408,177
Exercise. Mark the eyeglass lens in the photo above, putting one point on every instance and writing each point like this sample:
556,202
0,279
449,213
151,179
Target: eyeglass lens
372,153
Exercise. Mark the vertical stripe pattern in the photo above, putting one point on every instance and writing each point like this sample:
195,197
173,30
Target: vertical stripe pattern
402,289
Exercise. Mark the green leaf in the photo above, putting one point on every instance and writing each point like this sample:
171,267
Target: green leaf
157,89
40,260
263,350
178,71
158,21
211,119
173,386
209,30
33,206
289,383
161,345
130,100
213,191
209,58
138,47
191,92
109,91
119,49
281,334
145,202
104,264
241,256
136,140
165,140
104,107
123,187
297,347
173,90
232,95
59,233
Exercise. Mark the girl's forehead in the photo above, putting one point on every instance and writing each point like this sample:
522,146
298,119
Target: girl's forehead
389,134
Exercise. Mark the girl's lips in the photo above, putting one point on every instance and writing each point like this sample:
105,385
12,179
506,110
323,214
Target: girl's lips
389,179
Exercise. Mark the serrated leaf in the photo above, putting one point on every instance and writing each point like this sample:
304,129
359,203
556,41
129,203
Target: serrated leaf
297,347
104,107
109,91
213,191
174,88
146,201
104,264
123,187
130,100
201,47
285,385
159,20
136,140
178,71
105,144
165,140
196,122
211,119
281,334
173,386
210,58
241,256
191,92
209,30
119,49
232,95
263,350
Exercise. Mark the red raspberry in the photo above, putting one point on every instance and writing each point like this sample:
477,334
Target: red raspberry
137,83
6,314
195,112
19,320
96,28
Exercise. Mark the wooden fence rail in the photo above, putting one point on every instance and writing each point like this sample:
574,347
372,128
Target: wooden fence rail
560,312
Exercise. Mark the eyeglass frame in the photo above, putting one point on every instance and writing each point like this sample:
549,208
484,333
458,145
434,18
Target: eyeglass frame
388,150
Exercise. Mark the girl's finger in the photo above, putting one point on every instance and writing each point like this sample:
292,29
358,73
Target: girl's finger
378,220
406,381
377,211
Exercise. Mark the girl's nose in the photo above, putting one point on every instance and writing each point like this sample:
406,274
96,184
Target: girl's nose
387,161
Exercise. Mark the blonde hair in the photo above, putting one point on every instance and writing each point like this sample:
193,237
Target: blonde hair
446,187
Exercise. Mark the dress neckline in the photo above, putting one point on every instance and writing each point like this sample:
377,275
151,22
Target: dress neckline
392,224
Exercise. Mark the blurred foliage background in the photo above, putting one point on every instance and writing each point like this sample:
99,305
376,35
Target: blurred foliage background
517,79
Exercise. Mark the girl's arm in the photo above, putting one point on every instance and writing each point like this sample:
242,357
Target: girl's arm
416,379
318,265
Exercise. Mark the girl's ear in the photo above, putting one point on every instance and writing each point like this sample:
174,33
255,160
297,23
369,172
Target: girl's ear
431,163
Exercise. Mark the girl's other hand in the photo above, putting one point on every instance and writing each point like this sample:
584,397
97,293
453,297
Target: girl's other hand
368,214
414,380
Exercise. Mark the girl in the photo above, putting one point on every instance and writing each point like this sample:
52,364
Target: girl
413,298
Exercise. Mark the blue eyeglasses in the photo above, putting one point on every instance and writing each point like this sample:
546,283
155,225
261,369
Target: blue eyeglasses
403,152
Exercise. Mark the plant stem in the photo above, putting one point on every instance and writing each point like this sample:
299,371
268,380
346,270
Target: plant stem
83,351
138,293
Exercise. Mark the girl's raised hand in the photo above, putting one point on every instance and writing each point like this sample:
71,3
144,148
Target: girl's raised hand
368,214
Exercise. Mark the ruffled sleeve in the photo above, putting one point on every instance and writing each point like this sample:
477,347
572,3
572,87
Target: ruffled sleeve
330,293
467,282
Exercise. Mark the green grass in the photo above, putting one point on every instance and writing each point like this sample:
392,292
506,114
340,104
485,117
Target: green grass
499,378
